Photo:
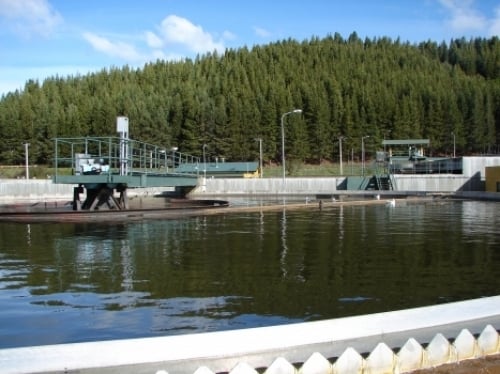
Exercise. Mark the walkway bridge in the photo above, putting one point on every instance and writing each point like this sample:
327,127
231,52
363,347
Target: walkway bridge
102,166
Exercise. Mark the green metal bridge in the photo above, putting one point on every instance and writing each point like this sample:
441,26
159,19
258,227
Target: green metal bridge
102,166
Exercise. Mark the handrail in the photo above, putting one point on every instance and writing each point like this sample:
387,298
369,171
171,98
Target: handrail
89,155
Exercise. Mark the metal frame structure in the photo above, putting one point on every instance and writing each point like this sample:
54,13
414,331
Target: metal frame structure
103,165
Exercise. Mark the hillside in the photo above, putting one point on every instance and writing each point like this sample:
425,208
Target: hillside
351,87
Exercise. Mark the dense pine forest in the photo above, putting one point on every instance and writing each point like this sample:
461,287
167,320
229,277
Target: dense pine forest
380,88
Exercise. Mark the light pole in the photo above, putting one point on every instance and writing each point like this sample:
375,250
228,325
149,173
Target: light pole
283,139
204,162
363,153
26,145
453,134
260,156
174,149
385,135
163,152
340,153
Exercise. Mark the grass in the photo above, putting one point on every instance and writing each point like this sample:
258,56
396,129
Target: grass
325,169
19,172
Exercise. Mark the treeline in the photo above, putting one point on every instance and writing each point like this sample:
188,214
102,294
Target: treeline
381,88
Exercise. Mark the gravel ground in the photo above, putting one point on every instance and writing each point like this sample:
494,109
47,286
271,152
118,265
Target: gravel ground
487,365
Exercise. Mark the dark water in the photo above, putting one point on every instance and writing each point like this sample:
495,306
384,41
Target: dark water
63,283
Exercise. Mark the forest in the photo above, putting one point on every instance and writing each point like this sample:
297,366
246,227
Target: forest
375,89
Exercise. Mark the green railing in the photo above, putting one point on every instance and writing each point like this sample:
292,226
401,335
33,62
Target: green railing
114,155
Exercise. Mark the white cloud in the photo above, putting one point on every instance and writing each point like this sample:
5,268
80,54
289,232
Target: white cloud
463,17
228,35
173,30
174,37
178,30
263,33
30,17
121,50
153,40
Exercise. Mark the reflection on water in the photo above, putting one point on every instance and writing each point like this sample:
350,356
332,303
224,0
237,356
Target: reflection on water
80,282
284,248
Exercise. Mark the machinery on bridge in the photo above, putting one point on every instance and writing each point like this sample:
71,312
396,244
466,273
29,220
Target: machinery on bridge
105,167
411,159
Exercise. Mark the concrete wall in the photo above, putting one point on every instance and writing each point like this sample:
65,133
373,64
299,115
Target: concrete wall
437,183
473,165
266,186
318,186
22,190
33,189
45,190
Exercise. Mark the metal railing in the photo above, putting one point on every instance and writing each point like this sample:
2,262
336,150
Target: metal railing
113,155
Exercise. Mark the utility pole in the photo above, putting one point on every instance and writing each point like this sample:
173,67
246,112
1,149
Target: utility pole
340,154
454,154
260,157
26,156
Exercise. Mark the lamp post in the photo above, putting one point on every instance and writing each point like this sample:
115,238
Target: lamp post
283,139
453,134
340,153
260,156
26,145
163,153
174,149
363,153
204,162
387,132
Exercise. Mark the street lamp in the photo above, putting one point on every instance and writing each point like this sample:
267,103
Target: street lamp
453,134
26,145
260,156
363,153
163,153
340,153
283,139
204,162
174,149
387,132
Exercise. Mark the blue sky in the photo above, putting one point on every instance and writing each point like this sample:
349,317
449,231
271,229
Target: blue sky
44,38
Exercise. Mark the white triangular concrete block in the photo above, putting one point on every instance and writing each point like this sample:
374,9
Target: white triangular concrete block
488,341
381,360
439,351
411,356
203,370
316,364
243,368
280,366
465,345
349,362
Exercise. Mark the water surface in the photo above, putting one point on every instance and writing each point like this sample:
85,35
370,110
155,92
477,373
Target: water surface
63,283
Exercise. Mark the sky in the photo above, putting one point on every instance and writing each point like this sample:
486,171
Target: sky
49,38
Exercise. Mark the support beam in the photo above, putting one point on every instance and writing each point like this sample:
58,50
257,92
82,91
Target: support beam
101,197
77,204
